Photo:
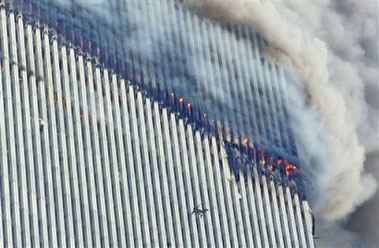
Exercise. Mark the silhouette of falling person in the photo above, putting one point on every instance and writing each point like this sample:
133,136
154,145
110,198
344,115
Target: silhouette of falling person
199,211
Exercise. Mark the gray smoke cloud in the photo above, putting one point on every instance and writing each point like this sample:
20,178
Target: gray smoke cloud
332,48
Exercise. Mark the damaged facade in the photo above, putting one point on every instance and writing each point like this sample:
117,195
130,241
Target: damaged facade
90,158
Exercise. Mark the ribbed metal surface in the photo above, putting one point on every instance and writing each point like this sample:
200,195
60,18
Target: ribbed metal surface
219,68
86,159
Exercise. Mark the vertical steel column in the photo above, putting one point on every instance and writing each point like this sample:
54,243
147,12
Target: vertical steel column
245,47
268,96
252,203
154,171
114,170
146,167
71,150
138,208
196,185
309,225
260,84
93,120
4,168
279,113
254,64
7,66
53,140
170,214
172,180
122,155
217,37
93,225
187,183
27,130
19,148
299,221
276,214
34,118
213,207
245,210
177,167
237,99
292,222
205,200
44,138
146,164
227,179
220,193
284,219
268,212
80,166
105,164
149,227
261,215
210,85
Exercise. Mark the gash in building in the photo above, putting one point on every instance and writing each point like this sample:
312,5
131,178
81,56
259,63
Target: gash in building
143,124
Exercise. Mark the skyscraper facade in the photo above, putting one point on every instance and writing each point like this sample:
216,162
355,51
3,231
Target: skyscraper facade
103,144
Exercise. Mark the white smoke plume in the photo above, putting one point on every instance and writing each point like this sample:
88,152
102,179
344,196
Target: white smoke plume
331,46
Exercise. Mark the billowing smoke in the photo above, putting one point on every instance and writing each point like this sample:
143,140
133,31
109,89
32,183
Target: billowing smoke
331,46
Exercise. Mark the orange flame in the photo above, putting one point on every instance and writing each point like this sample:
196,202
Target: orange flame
246,143
189,108
181,103
290,167
279,161
263,159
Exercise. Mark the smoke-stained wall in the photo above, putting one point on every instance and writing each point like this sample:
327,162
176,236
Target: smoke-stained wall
217,68
180,52
89,160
